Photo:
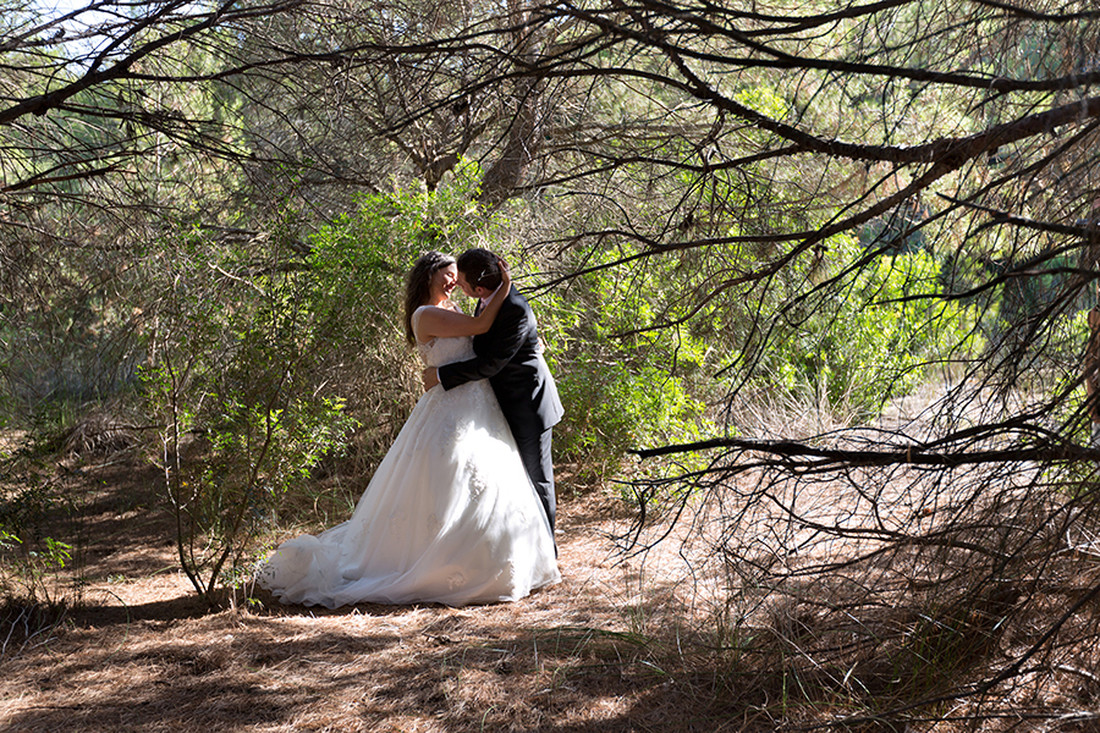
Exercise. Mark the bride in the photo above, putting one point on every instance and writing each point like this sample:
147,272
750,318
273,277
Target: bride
450,515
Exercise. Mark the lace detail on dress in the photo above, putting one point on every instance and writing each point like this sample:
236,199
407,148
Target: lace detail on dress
478,484
439,351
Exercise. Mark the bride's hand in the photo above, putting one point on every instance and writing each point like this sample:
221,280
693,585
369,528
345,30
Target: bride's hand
505,275
429,378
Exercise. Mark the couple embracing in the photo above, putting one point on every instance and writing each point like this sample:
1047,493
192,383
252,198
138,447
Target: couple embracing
461,509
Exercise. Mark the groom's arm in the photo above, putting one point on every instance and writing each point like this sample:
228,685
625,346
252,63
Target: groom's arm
508,336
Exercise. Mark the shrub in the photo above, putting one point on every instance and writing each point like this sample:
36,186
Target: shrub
870,336
232,382
29,559
622,387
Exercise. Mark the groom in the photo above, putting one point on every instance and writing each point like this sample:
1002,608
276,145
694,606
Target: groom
510,357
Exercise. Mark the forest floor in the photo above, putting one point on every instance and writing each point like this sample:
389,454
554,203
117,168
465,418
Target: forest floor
140,651
624,643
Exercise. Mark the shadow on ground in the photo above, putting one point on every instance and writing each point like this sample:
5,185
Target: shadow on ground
146,654
164,667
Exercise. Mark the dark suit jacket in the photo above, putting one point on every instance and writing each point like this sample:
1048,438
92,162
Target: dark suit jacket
508,355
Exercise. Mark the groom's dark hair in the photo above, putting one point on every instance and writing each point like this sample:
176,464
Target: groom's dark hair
479,267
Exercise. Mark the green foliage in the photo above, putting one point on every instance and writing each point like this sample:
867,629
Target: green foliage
874,334
233,382
29,561
621,387
26,573
358,263
612,407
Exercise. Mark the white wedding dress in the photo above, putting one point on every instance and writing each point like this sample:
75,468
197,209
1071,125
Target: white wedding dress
449,517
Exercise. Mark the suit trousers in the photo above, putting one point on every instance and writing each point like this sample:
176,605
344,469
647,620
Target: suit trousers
534,451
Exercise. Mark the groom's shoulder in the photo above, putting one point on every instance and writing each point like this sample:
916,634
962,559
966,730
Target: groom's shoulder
514,298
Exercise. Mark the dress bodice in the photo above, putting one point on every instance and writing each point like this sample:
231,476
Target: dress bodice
439,351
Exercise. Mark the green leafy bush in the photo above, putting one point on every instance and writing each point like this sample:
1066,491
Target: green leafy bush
27,564
869,336
612,408
233,384
622,386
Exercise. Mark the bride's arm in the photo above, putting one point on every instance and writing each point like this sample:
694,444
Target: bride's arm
440,322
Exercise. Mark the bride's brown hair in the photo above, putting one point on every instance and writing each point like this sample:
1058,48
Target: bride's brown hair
419,286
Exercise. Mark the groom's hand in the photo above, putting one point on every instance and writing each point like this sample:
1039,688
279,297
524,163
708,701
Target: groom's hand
430,377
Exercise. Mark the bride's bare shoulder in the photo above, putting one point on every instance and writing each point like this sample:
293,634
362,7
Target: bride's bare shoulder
433,313
446,306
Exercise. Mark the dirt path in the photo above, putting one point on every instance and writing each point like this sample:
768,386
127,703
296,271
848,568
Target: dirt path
141,654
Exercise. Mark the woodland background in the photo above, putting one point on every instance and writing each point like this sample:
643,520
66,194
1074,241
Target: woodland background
815,280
